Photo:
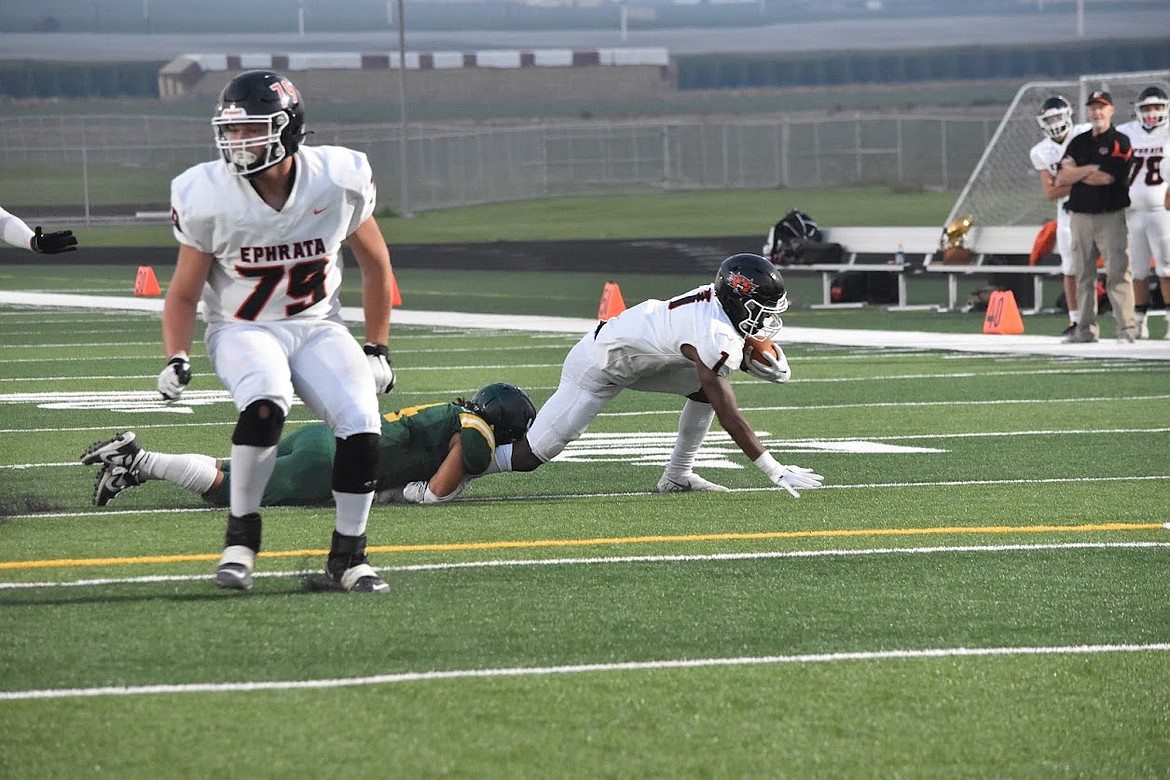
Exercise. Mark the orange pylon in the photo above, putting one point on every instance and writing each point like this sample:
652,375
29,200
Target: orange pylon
1003,316
145,283
611,302
395,296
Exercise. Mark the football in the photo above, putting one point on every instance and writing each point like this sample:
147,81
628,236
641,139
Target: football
754,349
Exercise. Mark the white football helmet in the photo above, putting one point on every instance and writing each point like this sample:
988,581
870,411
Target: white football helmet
1151,107
1055,117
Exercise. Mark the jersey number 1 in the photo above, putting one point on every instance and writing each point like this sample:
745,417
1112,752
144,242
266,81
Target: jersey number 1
305,281
702,296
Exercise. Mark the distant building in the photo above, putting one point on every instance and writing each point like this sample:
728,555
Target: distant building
440,76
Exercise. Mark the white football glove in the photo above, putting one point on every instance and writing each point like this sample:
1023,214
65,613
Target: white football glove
379,357
174,378
776,370
420,493
788,477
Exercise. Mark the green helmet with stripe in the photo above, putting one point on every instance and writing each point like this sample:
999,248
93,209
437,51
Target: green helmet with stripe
506,408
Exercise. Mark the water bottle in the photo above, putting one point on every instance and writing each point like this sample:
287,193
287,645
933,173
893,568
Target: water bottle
900,256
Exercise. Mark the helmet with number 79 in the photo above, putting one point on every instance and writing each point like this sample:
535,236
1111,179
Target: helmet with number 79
752,293
506,408
1055,117
1151,107
258,121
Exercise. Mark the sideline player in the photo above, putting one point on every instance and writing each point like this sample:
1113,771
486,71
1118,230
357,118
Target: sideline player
1055,119
687,346
1147,218
14,231
427,454
260,235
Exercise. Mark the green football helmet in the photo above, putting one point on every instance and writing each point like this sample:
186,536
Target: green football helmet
507,408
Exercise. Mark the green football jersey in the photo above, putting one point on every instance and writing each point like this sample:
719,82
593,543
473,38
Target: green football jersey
413,444
415,441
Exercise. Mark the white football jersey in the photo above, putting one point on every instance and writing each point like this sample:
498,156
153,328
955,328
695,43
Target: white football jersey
1046,156
1147,179
274,265
641,348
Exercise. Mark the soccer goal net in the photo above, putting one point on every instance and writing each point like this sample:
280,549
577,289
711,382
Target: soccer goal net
1004,189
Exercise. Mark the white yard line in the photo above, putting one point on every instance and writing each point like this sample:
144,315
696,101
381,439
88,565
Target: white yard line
602,560
716,435
545,671
650,493
958,342
626,666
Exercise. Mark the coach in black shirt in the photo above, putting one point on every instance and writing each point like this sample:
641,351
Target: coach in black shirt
1096,165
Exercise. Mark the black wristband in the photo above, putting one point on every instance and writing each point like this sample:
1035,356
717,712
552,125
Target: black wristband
377,350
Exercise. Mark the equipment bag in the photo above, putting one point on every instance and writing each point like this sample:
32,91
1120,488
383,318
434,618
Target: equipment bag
798,240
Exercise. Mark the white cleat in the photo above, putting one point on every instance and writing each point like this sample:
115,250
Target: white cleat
234,571
689,483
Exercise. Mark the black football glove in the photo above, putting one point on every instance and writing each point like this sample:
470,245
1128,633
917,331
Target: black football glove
53,243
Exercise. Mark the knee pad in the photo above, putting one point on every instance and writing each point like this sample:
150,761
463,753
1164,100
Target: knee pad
355,466
259,425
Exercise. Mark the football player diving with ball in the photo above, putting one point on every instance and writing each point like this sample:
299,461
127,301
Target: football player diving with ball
687,345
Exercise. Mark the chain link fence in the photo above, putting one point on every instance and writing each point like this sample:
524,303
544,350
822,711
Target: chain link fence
116,166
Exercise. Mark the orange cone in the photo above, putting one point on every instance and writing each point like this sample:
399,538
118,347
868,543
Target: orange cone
611,302
1003,316
146,284
395,296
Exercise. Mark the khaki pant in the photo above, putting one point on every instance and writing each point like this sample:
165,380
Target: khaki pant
1103,234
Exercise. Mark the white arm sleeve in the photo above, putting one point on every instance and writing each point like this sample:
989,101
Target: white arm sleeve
14,231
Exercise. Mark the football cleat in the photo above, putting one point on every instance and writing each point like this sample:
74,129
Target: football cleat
689,483
123,450
347,568
111,481
360,578
1071,329
234,571
1143,329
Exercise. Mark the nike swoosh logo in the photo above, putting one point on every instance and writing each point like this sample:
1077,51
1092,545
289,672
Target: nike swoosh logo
318,211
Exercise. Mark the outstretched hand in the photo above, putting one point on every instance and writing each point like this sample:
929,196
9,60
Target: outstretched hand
53,243
791,478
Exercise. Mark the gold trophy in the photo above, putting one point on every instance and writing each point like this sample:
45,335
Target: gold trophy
953,239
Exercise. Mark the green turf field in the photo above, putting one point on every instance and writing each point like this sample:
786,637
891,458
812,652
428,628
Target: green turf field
570,294
671,214
980,590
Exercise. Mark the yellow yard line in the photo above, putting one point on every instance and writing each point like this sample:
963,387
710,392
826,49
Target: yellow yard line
546,543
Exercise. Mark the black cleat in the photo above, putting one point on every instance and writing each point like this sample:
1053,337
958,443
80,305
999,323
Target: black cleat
123,450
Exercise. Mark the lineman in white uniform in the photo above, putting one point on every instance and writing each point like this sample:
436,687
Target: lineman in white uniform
1147,218
260,237
687,346
1055,119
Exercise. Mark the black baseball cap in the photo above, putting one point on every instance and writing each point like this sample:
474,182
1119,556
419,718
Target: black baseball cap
1104,98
